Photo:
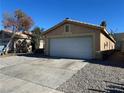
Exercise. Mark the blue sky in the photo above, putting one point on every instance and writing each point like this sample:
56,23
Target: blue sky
46,13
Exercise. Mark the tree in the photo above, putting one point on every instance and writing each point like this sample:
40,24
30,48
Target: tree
103,23
18,21
36,37
9,21
113,32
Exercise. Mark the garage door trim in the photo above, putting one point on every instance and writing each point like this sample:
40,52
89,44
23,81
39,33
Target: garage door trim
91,35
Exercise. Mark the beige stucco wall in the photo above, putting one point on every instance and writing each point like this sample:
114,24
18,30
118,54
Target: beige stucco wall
79,30
76,29
105,43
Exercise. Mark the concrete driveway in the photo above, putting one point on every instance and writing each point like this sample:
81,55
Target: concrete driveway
19,74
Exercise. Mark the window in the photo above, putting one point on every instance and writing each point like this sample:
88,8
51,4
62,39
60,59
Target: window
112,47
67,28
105,45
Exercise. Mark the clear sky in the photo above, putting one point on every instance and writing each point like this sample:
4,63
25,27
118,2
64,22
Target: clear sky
46,13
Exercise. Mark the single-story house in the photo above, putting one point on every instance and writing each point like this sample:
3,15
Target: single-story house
75,39
6,37
119,41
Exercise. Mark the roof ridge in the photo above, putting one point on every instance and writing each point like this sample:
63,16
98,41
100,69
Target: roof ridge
86,23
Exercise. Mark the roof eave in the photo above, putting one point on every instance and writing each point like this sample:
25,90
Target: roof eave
103,29
70,21
107,33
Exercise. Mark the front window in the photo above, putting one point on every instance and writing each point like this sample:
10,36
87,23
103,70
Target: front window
105,45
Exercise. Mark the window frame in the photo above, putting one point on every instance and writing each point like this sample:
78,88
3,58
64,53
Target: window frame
65,28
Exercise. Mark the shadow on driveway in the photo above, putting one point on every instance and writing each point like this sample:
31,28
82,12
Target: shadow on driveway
108,62
115,60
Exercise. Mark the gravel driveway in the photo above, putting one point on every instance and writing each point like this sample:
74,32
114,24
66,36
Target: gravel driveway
96,78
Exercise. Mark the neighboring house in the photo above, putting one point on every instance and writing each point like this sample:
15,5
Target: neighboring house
74,39
6,37
119,41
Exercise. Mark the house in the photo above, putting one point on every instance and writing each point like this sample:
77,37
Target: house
119,41
75,39
10,39
5,37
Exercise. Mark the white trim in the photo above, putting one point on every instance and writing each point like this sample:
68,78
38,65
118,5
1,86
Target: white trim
70,35
74,35
89,36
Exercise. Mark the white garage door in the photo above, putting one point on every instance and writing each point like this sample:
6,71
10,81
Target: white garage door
80,47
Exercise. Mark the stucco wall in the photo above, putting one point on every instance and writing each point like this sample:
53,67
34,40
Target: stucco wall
76,29
105,43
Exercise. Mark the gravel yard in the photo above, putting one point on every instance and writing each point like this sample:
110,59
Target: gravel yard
95,78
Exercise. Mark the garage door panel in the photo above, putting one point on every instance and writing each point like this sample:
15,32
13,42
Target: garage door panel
80,47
